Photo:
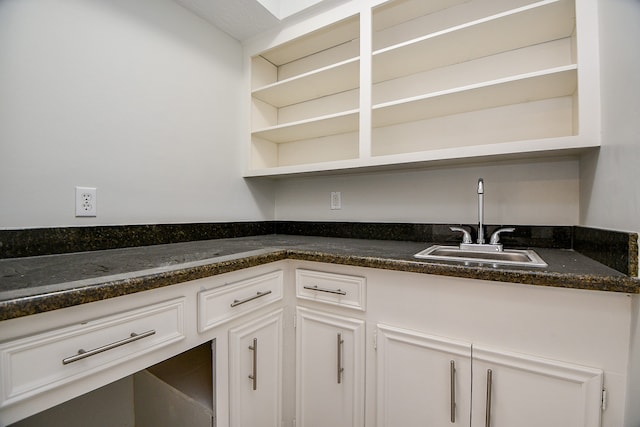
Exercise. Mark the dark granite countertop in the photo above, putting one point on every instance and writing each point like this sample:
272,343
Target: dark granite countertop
37,284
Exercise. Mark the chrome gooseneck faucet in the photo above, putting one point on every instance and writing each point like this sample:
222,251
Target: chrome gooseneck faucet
480,211
494,244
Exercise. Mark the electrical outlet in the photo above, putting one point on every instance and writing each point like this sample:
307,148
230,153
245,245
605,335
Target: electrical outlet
336,200
86,201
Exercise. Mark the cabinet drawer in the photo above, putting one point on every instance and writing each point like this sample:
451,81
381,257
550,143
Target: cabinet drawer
222,304
331,288
41,362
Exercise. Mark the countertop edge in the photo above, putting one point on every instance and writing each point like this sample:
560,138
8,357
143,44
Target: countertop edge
25,306
573,281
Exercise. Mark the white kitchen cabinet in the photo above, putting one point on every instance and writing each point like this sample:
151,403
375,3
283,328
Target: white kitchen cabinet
41,362
428,380
330,368
338,290
224,303
52,357
255,372
513,389
422,380
404,82
235,314
539,343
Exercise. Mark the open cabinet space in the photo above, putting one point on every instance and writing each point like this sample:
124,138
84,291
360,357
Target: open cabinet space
176,392
305,98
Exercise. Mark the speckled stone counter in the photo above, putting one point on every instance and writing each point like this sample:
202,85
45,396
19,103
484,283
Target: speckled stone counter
32,285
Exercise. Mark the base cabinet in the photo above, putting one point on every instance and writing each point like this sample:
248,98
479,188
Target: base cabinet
330,361
255,371
428,380
318,361
513,389
421,380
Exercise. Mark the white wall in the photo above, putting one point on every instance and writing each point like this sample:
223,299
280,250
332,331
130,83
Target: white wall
610,179
543,192
141,99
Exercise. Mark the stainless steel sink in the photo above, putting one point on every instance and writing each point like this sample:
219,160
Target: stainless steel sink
513,257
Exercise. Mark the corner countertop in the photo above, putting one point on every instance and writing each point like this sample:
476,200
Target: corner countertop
33,285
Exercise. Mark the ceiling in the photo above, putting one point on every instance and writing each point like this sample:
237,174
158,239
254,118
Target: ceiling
243,19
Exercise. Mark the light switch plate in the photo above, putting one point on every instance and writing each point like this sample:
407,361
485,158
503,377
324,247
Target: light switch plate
336,200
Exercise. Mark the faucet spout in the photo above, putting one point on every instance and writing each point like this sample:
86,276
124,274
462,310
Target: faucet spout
480,211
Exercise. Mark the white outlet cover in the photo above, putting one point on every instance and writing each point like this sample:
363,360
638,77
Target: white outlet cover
86,201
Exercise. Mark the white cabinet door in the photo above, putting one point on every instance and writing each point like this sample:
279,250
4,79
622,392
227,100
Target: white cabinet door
519,390
422,380
330,363
255,372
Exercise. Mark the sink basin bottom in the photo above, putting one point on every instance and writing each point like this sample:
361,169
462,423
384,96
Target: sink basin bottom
512,257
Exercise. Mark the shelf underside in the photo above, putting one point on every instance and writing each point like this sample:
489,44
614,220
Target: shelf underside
393,13
317,41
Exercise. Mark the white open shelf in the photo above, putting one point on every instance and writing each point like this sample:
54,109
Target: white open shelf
482,37
328,125
325,81
413,82
512,90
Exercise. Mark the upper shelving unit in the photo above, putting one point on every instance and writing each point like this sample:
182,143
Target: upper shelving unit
445,80
307,90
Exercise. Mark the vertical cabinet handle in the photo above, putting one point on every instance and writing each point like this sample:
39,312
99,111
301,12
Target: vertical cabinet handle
452,374
340,368
487,421
254,376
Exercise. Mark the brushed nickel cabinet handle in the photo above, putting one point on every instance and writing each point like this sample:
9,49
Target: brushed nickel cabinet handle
83,354
487,421
329,291
254,375
452,374
340,368
236,302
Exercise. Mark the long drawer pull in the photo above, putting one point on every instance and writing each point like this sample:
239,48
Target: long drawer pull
83,354
236,302
329,291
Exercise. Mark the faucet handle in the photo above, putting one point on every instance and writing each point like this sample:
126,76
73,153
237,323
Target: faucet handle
466,236
495,237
